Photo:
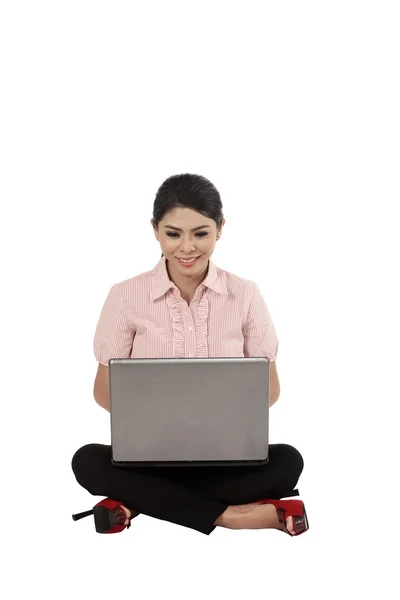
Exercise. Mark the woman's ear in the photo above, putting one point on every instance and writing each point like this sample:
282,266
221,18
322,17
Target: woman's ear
154,229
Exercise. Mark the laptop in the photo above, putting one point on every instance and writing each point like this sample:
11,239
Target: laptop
176,412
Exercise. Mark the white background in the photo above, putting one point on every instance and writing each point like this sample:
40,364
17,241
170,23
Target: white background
292,110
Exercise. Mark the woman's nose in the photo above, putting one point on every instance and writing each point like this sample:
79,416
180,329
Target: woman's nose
188,247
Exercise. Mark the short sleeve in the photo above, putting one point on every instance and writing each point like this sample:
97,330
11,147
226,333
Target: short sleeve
259,333
114,334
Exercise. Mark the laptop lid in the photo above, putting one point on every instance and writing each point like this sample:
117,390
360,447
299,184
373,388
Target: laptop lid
188,412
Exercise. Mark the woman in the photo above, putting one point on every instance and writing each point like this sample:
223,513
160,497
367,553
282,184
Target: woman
187,221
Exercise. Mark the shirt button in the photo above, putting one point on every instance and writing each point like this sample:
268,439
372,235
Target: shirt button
190,355
190,328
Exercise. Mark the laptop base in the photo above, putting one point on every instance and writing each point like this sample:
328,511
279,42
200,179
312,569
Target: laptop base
191,463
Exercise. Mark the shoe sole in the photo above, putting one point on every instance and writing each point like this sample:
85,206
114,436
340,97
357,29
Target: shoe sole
103,519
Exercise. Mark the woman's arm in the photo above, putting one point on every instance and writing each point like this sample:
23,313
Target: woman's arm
274,385
101,390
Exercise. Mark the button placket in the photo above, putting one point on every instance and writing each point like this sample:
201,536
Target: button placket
191,329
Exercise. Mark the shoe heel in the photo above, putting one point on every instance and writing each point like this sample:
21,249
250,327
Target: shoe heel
82,515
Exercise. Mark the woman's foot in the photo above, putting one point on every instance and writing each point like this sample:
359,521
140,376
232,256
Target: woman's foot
128,514
252,516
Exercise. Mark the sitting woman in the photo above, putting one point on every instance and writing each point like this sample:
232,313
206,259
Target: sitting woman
187,222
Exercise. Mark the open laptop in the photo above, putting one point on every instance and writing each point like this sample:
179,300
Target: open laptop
189,412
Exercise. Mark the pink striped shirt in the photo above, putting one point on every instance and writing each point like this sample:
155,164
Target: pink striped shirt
146,317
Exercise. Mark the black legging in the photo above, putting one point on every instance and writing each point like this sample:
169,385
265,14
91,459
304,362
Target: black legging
190,496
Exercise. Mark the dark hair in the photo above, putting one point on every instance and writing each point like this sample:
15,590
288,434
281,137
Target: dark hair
188,191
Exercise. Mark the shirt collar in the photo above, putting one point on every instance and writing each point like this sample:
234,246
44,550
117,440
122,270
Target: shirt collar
162,283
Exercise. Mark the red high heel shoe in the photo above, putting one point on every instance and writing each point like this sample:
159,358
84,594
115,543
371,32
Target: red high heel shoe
289,508
109,516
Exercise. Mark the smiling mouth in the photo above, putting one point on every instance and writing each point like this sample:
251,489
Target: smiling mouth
190,261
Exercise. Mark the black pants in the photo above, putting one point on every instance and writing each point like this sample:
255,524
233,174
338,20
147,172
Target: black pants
190,496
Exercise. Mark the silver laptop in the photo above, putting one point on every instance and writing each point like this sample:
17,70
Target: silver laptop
189,412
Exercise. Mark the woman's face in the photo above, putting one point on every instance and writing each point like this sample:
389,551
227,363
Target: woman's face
178,240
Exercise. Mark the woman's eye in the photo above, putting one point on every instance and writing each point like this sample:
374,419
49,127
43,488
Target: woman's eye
201,234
